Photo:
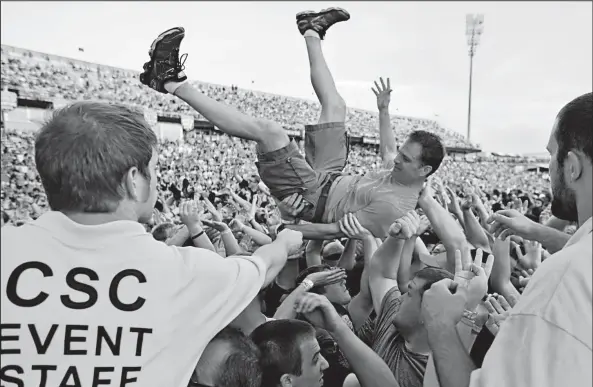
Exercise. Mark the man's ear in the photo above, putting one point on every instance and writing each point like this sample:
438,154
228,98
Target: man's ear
426,170
129,183
573,166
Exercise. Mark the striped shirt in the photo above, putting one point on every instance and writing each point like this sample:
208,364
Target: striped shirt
408,367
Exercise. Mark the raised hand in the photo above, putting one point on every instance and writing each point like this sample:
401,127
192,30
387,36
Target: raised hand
383,93
533,254
473,275
453,205
498,310
352,228
237,224
218,226
423,225
524,278
443,305
467,203
511,222
293,205
405,227
157,217
216,216
327,277
428,191
441,192
189,213
319,311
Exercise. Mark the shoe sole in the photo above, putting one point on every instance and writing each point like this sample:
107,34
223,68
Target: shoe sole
322,12
178,30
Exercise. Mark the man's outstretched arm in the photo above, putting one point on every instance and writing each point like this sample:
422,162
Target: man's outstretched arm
387,145
318,231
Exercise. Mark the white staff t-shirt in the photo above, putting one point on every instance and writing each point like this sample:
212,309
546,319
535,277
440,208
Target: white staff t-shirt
108,305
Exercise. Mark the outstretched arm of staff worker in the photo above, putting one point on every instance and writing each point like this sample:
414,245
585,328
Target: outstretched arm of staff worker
511,222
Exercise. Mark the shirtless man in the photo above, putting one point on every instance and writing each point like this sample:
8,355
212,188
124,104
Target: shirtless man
376,199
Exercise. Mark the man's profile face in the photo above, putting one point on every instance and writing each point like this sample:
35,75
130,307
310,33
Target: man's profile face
564,204
407,164
312,365
337,293
408,315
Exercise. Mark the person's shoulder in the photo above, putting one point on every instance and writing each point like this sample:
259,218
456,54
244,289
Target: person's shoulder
18,238
390,305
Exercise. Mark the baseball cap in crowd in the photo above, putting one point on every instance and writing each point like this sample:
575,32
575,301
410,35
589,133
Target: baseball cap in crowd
332,251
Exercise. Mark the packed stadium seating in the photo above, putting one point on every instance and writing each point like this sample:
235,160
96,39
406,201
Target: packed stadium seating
44,77
209,168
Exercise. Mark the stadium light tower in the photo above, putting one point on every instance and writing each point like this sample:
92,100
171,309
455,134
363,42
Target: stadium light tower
474,26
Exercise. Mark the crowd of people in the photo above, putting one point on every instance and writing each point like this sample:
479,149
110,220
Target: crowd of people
38,76
244,258
211,162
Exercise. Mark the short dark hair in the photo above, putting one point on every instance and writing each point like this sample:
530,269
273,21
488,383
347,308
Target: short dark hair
162,231
242,368
432,275
84,151
574,128
310,270
433,150
279,342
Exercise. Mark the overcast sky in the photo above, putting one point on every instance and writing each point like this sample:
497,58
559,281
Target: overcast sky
533,57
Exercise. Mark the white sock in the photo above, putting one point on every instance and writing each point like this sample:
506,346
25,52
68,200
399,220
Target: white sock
172,87
312,34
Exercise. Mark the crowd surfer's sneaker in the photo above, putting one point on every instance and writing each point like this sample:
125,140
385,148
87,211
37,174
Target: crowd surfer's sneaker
320,21
165,65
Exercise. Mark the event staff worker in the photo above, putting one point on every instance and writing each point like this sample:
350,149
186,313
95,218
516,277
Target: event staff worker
88,296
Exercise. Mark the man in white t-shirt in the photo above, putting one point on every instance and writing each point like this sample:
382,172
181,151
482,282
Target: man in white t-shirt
546,339
88,297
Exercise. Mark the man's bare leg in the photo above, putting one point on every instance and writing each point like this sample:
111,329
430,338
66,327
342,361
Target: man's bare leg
326,143
333,107
164,73
270,136
313,26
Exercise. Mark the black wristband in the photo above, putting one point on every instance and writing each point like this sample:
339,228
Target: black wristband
280,228
197,235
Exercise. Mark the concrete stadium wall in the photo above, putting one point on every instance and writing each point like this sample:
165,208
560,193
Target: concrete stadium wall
26,119
169,131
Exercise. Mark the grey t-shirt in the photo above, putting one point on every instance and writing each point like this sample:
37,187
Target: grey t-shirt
408,367
375,200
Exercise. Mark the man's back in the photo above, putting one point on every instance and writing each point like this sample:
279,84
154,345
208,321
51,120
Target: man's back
373,197
104,302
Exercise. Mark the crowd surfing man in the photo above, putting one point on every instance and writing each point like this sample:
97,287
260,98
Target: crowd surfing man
88,296
376,199
549,329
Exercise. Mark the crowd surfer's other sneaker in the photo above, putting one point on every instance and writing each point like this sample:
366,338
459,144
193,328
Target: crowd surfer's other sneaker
165,65
320,21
